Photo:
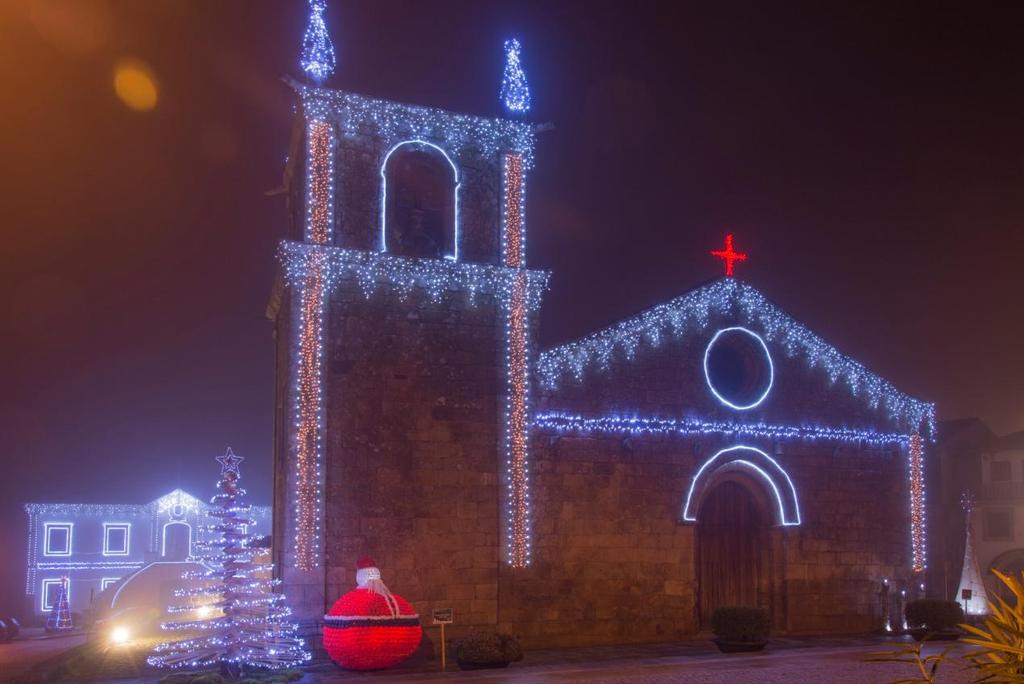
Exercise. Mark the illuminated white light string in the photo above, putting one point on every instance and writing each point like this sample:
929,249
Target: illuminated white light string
918,526
168,503
90,565
691,312
404,274
68,529
515,92
163,536
767,355
124,527
151,514
417,144
393,122
317,60
744,456
567,422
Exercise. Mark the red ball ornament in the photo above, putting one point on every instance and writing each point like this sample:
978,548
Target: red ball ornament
369,628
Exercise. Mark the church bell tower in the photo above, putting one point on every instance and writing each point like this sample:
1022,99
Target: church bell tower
404,327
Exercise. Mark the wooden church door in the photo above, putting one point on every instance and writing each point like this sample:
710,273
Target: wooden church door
732,548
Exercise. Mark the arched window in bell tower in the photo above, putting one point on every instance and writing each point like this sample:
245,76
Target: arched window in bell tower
420,203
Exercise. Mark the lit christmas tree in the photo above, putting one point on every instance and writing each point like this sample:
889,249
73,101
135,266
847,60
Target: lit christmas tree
60,615
515,93
241,620
317,58
970,576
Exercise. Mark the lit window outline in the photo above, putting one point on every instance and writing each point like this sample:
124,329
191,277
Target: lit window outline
47,583
384,195
690,515
768,355
163,537
47,527
107,528
106,582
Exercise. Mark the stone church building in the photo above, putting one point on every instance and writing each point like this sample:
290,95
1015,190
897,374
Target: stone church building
708,451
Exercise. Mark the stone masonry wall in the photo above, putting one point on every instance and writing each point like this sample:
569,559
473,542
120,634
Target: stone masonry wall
614,564
411,433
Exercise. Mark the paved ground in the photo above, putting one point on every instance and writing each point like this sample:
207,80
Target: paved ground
21,655
832,661
789,661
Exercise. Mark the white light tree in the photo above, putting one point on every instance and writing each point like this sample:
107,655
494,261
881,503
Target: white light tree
970,576
515,92
240,621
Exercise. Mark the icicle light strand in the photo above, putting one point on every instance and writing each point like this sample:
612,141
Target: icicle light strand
679,316
393,122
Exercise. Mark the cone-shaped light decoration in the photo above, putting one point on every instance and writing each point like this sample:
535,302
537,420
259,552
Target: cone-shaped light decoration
515,93
317,51
970,577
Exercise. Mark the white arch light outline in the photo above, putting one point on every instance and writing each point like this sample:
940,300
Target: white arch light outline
163,540
768,355
690,515
384,194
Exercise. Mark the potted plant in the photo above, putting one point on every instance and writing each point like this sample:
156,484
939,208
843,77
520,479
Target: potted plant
934,618
740,629
481,650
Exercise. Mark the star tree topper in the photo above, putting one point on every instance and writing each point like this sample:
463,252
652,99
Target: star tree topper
229,462
729,255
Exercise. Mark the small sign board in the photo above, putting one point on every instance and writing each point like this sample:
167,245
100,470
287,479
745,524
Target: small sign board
443,616
965,594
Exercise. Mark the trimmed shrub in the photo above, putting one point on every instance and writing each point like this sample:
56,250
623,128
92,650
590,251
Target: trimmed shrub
934,615
488,648
741,623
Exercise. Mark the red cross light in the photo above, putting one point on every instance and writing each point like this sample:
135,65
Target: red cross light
728,255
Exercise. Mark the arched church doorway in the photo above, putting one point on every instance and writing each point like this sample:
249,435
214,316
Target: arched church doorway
733,549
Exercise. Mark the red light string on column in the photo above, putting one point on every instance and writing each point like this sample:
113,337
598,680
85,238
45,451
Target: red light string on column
320,172
514,210
517,368
917,514
308,408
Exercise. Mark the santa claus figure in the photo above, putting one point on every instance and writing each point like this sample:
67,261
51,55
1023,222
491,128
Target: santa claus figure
369,628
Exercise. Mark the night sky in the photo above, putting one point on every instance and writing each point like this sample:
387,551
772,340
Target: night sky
868,158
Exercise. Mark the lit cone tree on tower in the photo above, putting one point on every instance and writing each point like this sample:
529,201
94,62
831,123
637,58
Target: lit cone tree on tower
245,621
515,92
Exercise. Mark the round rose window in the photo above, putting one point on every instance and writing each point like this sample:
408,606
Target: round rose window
738,368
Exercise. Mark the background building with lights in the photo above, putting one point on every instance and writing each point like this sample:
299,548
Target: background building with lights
97,545
969,456
708,451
